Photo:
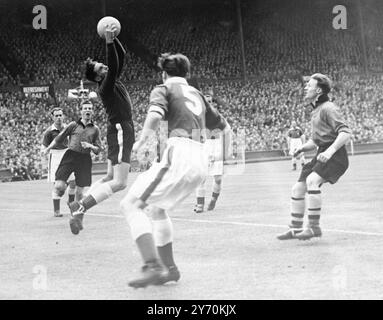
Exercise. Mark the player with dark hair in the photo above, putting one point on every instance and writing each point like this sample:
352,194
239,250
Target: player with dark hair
120,129
330,134
84,137
182,168
55,156
214,146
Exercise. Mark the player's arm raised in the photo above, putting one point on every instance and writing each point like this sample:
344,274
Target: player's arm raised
121,55
112,61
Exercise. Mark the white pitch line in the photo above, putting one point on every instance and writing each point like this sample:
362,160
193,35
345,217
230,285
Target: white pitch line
250,224
276,226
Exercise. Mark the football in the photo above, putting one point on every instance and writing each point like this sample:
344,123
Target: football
105,22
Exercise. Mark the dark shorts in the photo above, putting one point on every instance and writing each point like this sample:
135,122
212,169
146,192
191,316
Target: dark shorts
331,171
80,164
120,138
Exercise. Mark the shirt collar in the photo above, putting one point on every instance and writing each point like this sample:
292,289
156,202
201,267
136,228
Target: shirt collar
54,127
80,122
321,99
176,80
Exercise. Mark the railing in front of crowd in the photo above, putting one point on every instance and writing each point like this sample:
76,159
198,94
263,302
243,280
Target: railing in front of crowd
250,157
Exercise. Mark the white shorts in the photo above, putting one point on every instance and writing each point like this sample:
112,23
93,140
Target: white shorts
215,168
184,166
214,148
54,160
294,144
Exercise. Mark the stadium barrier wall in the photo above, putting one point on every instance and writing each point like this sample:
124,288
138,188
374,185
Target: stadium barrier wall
250,157
275,155
5,175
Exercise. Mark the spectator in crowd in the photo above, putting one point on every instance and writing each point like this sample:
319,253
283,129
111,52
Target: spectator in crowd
280,48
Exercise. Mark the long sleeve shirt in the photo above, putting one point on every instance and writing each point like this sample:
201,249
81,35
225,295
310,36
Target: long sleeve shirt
50,134
113,93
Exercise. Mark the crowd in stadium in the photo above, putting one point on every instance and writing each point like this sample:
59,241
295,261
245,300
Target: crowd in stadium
263,109
275,42
278,52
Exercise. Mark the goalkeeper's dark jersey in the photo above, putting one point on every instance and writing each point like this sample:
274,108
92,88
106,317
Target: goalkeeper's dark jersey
113,93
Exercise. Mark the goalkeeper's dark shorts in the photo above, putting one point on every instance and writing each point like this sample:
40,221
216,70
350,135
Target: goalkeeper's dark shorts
120,138
332,170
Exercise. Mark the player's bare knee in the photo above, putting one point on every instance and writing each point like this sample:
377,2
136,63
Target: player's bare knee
131,207
117,185
313,182
298,190
128,203
218,179
122,185
125,205
60,192
60,187
158,213
108,177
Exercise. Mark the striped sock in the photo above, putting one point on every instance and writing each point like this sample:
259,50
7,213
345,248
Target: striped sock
314,207
297,212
